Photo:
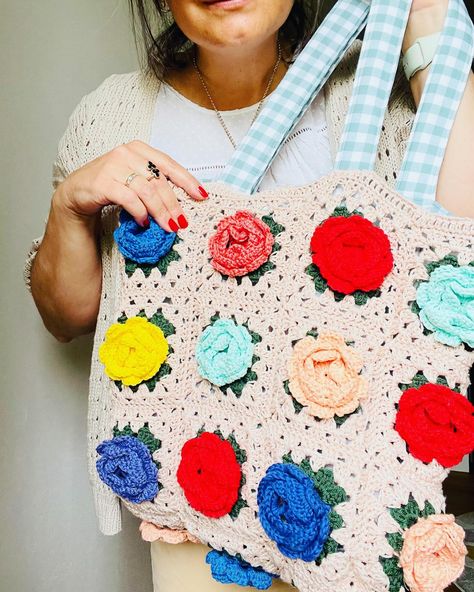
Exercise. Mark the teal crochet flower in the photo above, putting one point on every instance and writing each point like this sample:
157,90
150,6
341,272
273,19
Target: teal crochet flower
224,352
446,304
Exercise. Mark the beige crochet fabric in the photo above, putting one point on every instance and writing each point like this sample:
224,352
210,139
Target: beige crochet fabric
369,459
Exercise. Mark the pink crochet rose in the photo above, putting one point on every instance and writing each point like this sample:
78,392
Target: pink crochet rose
433,553
324,376
241,244
152,532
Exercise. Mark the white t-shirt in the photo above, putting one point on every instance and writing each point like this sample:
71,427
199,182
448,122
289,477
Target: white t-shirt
195,138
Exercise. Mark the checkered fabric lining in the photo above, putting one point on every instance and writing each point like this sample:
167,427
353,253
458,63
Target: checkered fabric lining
302,82
436,112
378,62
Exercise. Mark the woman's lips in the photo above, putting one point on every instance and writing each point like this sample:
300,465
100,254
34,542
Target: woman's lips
227,4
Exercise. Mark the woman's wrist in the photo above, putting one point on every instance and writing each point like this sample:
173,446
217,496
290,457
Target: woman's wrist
427,17
61,210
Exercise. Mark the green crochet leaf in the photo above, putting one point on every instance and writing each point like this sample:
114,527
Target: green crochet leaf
335,520
428,510
241,457
447,260
395,540
321,285
144,435
394,573
275,228
420,379
162,265
407,515
343,211
330,493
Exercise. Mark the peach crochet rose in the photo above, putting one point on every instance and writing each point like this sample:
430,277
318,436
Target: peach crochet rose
433,553
152,532
324,376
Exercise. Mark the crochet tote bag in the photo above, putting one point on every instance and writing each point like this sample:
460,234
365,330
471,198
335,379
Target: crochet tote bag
286,381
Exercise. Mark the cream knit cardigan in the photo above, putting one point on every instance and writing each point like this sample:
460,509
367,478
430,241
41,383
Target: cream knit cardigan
121,109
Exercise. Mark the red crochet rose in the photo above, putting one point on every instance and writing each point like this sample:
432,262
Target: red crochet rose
210,475
241,244
351,253
436,423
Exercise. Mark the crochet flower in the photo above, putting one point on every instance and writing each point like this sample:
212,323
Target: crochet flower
351,253
446,304
241,244
133,351
324,376
433,553
436,423
209,475
142,245
152,532
127,467
227,569
224,352
292,513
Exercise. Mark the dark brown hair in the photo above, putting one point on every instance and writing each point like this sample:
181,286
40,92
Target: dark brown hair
162,46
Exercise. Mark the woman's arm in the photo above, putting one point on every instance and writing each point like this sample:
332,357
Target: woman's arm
455,189
66,274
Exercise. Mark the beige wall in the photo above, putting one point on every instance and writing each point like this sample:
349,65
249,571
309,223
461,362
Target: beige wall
51,54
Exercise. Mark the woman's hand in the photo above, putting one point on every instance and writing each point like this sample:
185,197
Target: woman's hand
102,182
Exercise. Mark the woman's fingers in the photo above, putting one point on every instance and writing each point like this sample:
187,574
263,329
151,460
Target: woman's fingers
172,169
155,195
120,194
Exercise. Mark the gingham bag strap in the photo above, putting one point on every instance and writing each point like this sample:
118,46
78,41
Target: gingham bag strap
376,70
302,82
442,94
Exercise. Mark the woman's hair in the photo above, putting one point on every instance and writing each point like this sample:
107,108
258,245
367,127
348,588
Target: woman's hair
162,46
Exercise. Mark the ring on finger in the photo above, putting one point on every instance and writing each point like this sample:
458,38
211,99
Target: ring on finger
154,169
130,178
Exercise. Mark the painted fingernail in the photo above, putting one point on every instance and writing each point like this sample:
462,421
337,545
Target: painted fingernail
202,191
182,221
172,224
146,223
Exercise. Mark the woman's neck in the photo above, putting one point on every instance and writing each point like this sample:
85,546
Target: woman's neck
235,77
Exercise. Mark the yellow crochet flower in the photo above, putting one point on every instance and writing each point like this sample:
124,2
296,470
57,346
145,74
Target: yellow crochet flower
133,351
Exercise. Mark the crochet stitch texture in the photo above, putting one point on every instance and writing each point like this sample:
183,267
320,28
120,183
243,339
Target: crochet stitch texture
365,354
372,465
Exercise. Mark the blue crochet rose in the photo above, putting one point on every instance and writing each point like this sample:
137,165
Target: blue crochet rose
446,304
292,513
227,569
142,245
224,352
127,467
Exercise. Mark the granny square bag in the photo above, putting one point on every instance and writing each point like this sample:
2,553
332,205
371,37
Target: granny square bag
286,381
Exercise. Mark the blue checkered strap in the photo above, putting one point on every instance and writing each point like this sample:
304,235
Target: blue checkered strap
301,83
376,70
442,94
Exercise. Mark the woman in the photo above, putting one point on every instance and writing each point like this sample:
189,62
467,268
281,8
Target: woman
212,57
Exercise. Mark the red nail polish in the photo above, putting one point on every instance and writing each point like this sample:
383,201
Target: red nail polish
146,223
203,192
182,221
172,224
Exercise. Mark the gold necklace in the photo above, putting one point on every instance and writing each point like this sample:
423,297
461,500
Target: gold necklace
222,122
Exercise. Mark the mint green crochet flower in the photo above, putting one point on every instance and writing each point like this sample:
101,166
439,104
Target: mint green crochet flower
224,352
446,304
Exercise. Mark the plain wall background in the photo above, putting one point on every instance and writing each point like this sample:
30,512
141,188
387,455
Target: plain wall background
52,53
